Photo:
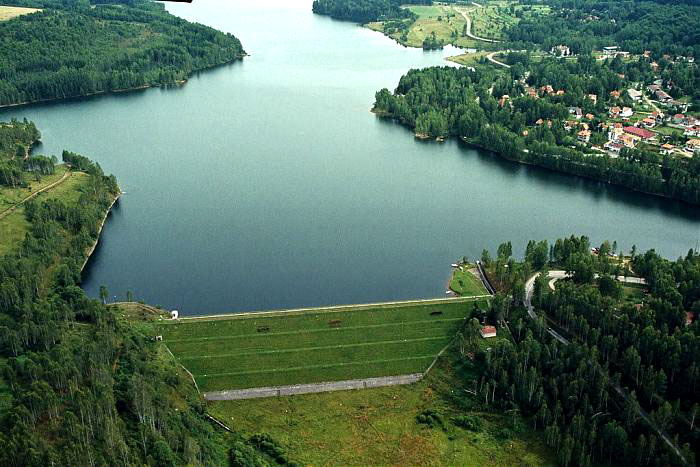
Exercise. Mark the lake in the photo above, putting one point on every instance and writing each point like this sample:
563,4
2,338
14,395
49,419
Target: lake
269,184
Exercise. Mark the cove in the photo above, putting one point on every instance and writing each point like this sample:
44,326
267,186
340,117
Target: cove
268,183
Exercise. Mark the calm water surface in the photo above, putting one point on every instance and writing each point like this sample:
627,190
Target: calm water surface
268,184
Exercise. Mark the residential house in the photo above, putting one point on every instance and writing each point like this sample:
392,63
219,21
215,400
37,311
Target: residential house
576,112
584,136
594,98
649,122
693,145
640,133
633,93
626,112
663,97
692,131
629,141
615,111
615,94
488,331
613,146
667,148
560,51
590,116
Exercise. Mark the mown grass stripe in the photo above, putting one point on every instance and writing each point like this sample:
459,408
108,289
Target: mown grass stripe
287,333
310,367
327,347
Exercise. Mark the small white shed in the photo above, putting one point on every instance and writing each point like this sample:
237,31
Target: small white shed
174,314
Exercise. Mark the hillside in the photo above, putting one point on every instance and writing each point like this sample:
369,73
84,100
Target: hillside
75,49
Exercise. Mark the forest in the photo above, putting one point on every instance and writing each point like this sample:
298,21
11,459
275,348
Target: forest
79,384
364,11
73,49
624,387
443,101
663,27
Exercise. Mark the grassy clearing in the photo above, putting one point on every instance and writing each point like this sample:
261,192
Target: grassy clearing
465,283
379,426
633,294
14,226
9,12
313,346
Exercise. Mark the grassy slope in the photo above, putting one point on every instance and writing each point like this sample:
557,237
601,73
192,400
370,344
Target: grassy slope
306,347
14,226
9,12
465,283
489,22
378,426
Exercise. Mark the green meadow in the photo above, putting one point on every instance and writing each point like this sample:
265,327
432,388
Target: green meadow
272,349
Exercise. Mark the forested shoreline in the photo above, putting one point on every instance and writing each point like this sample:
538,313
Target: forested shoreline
79,49
80,384
442,101
364,11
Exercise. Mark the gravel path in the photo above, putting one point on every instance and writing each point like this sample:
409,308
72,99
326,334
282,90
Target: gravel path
7,211
276,391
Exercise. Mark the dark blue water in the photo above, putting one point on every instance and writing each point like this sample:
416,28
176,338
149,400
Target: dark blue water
269,184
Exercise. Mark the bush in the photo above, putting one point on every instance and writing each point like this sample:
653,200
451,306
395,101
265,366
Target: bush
431,418
468,422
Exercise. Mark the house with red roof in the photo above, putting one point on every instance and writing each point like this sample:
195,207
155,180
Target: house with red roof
488,331
640,133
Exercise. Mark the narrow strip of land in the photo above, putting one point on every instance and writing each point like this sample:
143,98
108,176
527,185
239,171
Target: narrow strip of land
277,391
336,308
9,210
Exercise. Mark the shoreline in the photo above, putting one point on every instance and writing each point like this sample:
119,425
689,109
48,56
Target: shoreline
387,115
91,250
143,87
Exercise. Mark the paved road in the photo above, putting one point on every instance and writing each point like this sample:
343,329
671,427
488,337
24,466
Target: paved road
7,211
557,275
276,391
493,60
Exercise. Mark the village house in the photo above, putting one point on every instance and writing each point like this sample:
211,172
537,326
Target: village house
560,92
634,94
615,94
626,112
663,97
560,51
654,66
590,116
532,92
659,116
576,112
640,133
488,331
614,111
584,136
649,122
594,98
693,145
628,141
692,131
667,148
613,146
679,119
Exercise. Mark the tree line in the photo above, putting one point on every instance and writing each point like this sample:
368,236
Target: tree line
365,11
623,360
73,49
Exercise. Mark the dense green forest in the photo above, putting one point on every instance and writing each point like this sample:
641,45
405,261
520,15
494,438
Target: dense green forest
671,27
628,370
73,48
364,11
445,101
79,383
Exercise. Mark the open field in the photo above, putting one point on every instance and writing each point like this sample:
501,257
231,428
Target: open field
465,283
256,350
9,12
379,427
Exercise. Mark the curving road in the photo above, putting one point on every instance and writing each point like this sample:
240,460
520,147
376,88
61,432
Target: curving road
469,26
7,211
